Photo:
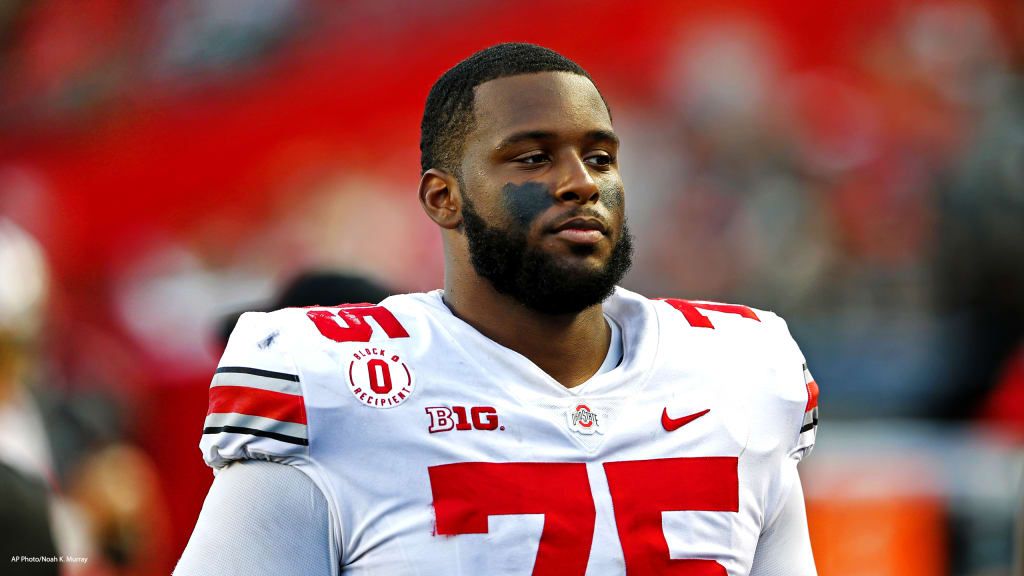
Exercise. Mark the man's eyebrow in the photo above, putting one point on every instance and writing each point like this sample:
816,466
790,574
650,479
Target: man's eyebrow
603,135
534,135
525,136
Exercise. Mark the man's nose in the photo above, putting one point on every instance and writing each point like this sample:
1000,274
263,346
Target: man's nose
575,182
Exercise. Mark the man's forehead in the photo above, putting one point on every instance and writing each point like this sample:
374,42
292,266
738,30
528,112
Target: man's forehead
545,100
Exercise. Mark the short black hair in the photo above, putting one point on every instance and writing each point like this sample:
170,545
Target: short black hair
448,114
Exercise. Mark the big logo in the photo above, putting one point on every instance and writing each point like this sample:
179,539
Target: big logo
443,419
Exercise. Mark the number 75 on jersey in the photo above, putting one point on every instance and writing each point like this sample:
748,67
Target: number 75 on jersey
466,493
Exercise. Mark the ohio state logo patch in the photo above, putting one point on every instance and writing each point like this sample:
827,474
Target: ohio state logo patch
378,378
583,420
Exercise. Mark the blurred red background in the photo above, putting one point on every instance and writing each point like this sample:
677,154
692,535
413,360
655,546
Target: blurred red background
178,161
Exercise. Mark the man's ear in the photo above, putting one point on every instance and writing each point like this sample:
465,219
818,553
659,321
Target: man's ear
441,199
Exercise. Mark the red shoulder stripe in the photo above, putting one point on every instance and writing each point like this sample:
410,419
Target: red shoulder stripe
812,395
257,402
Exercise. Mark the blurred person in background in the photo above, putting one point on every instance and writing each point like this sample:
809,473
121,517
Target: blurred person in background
27,479
315,288
69,487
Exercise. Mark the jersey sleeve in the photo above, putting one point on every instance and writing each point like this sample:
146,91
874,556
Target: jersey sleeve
790,411
784,548
794,391
261,518
256,405
809,425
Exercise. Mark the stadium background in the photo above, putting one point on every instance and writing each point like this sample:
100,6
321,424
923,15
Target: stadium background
858,168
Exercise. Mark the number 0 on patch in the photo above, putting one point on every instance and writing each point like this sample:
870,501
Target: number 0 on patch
379,379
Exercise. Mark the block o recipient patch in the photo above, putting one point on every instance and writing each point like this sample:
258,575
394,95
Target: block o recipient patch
378,378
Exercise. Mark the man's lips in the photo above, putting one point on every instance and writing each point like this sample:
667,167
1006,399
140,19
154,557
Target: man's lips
582,224
581,230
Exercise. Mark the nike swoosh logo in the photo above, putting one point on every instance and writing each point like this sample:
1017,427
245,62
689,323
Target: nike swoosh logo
671,424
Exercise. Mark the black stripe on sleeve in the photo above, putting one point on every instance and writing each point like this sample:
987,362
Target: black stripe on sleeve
257,372
255,432
807,427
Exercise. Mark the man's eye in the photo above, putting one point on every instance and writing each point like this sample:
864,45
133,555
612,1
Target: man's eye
601,159
533,158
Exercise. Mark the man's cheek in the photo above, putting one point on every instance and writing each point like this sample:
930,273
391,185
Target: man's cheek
526,201
611,195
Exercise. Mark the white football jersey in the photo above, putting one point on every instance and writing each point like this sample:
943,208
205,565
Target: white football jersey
442,452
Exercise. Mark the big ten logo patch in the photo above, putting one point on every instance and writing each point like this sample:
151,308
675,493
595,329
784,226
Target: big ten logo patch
379,378
443,418
583,420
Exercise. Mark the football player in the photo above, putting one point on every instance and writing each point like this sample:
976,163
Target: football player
531,417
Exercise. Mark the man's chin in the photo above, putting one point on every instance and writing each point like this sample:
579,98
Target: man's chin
565,284
571,253
587,268
551,276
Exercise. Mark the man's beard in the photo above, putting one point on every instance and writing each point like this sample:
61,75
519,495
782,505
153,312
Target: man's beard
535,278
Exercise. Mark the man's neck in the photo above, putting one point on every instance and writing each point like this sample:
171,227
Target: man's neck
570,348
